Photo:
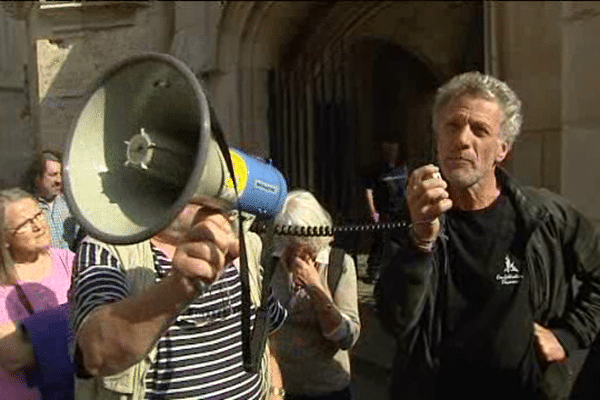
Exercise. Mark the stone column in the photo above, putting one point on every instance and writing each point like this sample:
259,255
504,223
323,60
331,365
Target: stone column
580,111
528,38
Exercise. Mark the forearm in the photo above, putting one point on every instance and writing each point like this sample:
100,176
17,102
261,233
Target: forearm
579,324
118,335
328,314
402,289
370,201
276,376
16,353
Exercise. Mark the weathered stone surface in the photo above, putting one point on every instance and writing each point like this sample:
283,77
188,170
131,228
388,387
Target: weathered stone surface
17,141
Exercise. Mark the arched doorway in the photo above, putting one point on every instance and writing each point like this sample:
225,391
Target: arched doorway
328,116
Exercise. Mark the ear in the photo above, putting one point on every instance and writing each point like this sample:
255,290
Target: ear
503,151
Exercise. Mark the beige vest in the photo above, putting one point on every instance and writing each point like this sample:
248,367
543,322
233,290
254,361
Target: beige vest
130,384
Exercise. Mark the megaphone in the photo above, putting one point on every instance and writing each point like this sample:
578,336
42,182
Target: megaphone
143,146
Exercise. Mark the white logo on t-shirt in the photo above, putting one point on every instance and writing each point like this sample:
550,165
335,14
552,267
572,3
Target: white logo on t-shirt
510,274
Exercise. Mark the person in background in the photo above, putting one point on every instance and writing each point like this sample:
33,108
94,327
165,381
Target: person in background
385,191
44,180
34,280
323,322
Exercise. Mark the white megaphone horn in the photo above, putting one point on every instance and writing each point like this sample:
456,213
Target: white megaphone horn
143,146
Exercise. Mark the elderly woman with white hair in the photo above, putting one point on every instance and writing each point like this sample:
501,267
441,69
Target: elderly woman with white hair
312,346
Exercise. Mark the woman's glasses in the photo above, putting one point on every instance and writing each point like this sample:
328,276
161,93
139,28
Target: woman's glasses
28,224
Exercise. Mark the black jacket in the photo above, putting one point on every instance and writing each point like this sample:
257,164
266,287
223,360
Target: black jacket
561,244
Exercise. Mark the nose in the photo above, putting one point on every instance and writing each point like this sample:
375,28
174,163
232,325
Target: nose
37,224
463,136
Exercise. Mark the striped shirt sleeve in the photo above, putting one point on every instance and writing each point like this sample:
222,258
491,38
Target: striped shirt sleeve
277,313
98,280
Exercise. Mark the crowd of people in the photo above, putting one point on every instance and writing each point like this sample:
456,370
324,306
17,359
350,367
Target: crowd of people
162,318
492,291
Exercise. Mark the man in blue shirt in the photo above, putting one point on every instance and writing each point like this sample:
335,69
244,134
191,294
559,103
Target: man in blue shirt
385,190
44,180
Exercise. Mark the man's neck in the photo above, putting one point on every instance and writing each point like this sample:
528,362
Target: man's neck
47,199
476,197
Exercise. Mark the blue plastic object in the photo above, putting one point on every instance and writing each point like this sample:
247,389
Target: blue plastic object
262,188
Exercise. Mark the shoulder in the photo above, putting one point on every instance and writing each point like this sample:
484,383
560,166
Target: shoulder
63,259
4,291
348,262
546,201
90,250
561,219
59,201
346,267
64,255
254,241
537,202
371,173
254,249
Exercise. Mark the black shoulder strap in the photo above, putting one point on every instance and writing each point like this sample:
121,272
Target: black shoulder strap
258,340
334,269
23,298
247,356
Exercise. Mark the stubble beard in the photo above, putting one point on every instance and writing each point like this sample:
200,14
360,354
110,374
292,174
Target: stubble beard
462,178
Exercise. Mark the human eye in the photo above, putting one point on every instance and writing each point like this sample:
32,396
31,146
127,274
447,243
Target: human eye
480,130
451,126
22,227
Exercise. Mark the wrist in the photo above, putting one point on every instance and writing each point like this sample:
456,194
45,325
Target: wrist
191,287
423,245
314,289
320,298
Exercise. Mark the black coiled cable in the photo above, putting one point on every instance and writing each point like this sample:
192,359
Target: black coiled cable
294,230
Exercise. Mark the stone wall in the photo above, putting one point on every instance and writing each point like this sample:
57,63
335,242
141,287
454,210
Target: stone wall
545,51
542,49
580,113
528,38
76,44
17,140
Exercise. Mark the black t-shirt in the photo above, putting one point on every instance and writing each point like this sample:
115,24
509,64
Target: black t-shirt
487,350
388,183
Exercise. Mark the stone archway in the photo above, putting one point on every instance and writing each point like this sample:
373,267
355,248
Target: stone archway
305,51
400,93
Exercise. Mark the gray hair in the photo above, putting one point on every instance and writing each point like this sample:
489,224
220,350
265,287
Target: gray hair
301,208
489,88
7,264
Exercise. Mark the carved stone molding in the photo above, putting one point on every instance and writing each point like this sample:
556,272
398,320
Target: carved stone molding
18,10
